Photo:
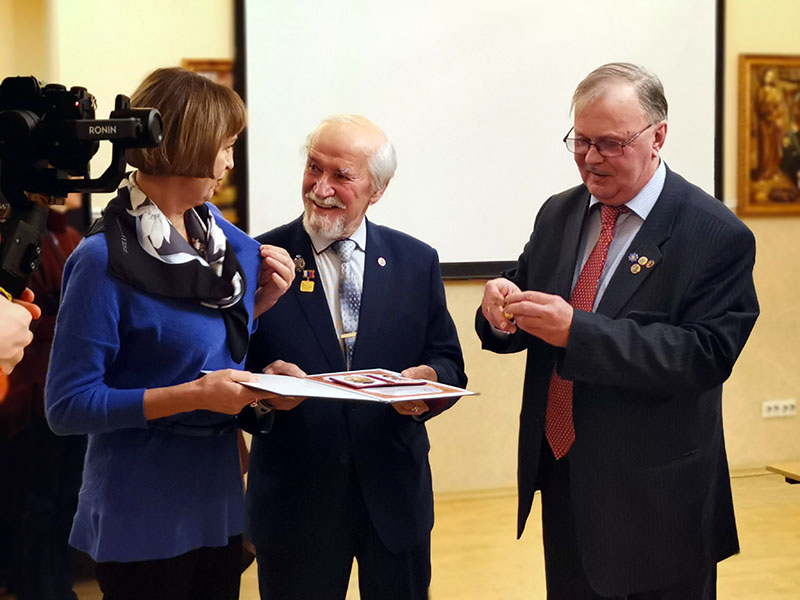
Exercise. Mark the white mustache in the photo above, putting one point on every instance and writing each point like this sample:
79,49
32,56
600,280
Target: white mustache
329,202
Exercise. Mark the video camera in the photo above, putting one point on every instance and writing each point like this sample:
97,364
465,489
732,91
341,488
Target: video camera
48,135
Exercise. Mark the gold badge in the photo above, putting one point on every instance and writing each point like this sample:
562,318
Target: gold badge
650,264
307,284
643,260
635,268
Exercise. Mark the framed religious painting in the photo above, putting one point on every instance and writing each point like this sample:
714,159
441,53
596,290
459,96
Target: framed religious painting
226,197
769,135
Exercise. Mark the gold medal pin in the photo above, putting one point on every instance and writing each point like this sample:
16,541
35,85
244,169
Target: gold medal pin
307,284
638,262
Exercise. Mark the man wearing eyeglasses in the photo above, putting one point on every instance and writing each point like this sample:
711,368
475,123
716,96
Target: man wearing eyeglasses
633,299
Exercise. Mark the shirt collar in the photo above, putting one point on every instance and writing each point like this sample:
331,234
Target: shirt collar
321,243
643,202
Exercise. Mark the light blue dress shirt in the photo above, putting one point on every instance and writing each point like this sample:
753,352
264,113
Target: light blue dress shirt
628,225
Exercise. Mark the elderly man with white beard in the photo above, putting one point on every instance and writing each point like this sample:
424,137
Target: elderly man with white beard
332,481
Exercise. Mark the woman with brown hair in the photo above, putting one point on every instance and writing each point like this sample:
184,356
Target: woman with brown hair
164,291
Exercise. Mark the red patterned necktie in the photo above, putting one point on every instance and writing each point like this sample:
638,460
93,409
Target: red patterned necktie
559,427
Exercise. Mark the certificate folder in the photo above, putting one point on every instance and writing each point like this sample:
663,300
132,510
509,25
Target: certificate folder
356,386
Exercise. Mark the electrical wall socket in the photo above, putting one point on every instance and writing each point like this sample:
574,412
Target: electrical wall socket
778,408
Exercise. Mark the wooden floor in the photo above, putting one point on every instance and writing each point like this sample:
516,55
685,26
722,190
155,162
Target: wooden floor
475,555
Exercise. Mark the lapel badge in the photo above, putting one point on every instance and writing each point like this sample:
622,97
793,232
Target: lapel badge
635,268
307,284
381,261
642,260
650,264
633,257
299,263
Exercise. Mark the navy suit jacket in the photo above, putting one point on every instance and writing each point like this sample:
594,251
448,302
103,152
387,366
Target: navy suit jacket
299,470
648,470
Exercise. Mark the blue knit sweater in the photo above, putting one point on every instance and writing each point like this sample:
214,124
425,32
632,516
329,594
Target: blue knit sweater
147,493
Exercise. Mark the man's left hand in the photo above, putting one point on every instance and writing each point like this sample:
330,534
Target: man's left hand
281,367
411,408
415,408
546,316
274,278
420,372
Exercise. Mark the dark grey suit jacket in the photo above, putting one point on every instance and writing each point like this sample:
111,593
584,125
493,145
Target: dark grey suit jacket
649,475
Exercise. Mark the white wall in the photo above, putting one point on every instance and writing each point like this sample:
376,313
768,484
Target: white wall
475,95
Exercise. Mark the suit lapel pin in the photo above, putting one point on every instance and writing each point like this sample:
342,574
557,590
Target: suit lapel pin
636,265
381,261
639,261
307,284
299,263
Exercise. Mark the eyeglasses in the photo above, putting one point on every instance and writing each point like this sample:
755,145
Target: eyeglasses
606,148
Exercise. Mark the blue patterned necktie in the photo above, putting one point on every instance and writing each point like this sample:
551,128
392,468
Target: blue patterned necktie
349,297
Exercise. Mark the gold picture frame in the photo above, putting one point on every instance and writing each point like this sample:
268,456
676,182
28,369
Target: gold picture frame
219,70
769,135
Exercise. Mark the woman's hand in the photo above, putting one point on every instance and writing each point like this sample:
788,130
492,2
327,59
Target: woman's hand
274,278
222,391
218,391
